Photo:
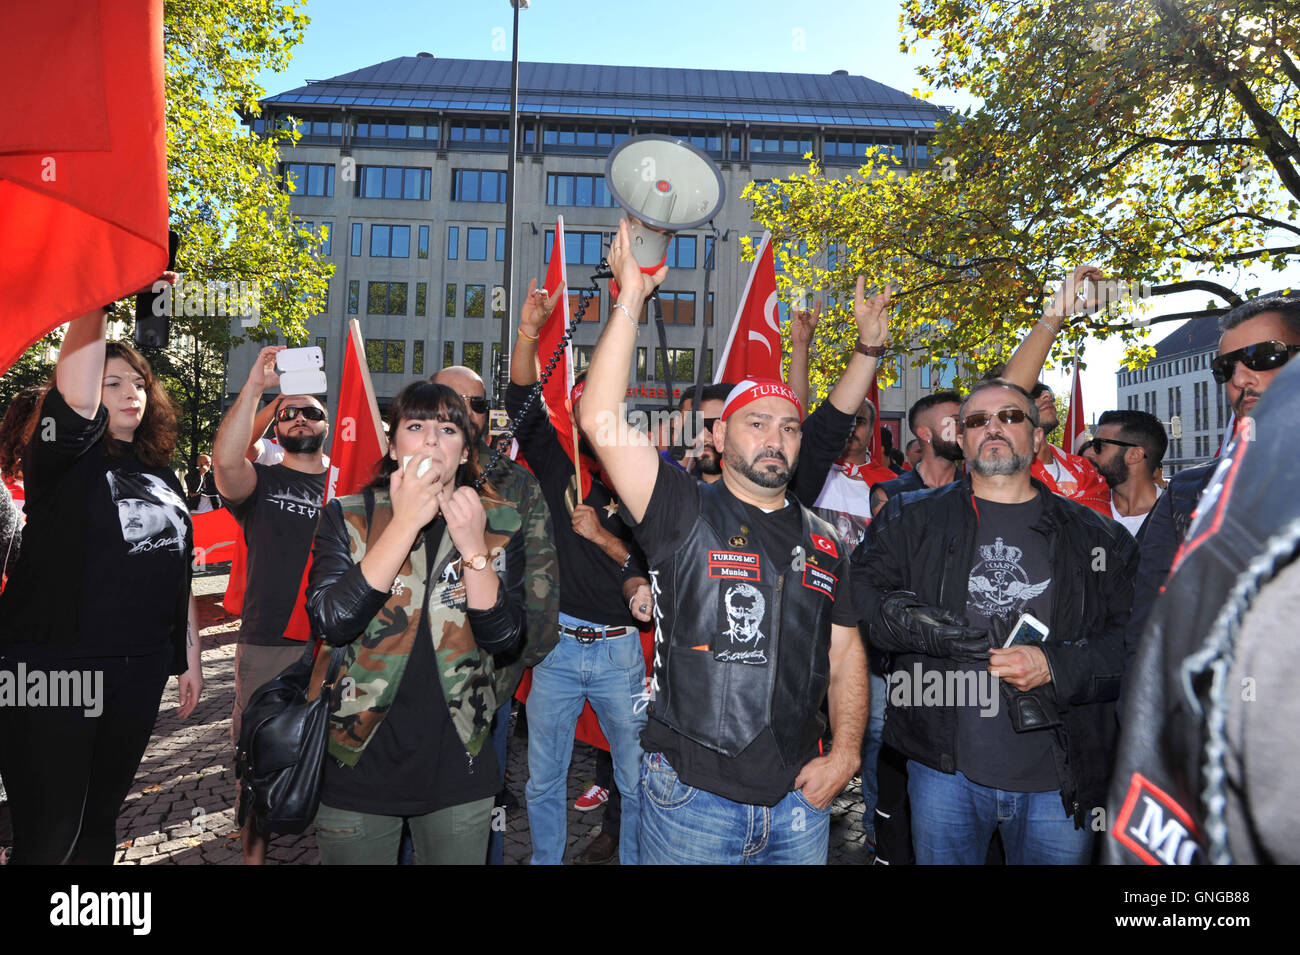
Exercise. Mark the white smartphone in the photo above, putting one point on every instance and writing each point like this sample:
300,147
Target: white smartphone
301,371
420,469
1027,631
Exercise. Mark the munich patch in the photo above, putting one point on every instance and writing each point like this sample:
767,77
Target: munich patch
1154,827
814,578
734,565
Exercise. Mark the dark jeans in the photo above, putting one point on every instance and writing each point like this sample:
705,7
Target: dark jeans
68,773
893,819
612,811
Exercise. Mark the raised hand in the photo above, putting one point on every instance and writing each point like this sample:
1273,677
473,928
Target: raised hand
1078,293
803,324
466,520
415,499
628,274
871,314
262,375
537,308
585,523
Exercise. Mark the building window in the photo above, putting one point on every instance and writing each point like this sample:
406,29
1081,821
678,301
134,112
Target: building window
708,309
582,357
424,242
386,298
787,142
681,252
476,245
709,250
453,241
461,133
498,301
580,248
857,146
356,238
390,241
585,137
478,185
386,355
448,354
679,307
707,370
385,127
577,189
449,307
925,376
417,358
683,367
641,362
393,182
354,296
309,179
421,293
321,343
474,300
471,356
325,233
710,140
501,245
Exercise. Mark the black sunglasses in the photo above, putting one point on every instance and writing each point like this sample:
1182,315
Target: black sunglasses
1007,416
310,412
1262,356
1096,444
477,403
1039,390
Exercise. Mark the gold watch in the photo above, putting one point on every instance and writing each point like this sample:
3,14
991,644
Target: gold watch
477,562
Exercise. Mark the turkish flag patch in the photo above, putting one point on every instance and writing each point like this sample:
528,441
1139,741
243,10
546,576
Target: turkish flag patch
826,544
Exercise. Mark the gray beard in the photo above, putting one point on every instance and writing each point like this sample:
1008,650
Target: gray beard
1003,466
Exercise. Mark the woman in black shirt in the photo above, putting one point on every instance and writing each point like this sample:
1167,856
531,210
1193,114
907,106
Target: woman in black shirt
97,613
421,578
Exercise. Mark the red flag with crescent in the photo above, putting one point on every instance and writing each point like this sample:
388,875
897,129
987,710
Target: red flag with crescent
753,347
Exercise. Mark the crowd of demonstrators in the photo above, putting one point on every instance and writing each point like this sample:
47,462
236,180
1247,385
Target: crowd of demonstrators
106,519
816,613
277,507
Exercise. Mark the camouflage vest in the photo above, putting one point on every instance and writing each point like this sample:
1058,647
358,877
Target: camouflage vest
375,662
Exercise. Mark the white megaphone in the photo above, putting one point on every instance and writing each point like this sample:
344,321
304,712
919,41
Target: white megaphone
667,186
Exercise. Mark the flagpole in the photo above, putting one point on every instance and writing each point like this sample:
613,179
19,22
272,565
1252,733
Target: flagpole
744,297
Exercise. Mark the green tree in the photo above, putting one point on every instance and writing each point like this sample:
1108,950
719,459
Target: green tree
1155,138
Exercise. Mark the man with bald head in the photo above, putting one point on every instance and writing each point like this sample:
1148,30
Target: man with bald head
514,484
1021,736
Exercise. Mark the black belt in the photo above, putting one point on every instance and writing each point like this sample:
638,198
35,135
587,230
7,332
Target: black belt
586,634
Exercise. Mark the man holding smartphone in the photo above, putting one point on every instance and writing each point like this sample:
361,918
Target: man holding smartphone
278,507
940,581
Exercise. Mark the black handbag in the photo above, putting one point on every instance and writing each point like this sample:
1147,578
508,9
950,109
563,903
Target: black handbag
283,740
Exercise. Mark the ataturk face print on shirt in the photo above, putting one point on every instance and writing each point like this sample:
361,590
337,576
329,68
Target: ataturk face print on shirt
151,514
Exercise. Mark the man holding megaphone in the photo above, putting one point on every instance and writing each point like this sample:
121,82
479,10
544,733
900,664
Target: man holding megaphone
754,619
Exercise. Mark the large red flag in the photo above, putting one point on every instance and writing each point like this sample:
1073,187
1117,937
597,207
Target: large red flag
753,347
560,384
1074,423
83,161
358,444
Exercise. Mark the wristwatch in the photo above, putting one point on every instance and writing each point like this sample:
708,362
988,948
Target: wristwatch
871,351
477,562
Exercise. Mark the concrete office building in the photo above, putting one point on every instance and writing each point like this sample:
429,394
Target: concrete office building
1178,384
405,162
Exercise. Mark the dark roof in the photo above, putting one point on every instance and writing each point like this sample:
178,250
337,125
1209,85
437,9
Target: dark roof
1196,336
414,83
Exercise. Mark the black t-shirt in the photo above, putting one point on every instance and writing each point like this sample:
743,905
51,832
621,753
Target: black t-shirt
590,582
279,521
415,763
106,548
1011,575
757,776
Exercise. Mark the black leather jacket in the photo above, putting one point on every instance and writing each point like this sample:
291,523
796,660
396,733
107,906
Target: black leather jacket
923,541
1171,789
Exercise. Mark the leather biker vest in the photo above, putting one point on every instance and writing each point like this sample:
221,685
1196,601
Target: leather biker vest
744,635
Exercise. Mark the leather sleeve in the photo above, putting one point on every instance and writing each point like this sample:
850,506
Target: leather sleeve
1159,545
877,567
340,601
500,627
824,434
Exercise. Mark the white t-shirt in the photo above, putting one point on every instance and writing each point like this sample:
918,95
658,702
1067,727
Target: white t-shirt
1133,523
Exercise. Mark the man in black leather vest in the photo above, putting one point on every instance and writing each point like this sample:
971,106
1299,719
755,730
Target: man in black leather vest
754,620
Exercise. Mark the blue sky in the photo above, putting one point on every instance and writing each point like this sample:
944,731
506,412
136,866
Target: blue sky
861,36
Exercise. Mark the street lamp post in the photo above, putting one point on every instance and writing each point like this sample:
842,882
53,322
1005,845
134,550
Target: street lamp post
501,372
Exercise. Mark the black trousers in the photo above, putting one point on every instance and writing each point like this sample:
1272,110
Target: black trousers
612,813
67,773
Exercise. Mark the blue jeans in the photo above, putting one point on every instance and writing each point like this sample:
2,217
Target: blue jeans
681,825
611,674
953,821
871,750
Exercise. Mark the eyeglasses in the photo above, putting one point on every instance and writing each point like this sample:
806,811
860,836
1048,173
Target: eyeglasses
310,413
1007,416
1096,444
1262,356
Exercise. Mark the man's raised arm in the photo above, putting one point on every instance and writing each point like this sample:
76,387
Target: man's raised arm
1024,367
629,458
235,476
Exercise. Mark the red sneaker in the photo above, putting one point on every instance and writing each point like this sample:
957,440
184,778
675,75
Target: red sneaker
593,798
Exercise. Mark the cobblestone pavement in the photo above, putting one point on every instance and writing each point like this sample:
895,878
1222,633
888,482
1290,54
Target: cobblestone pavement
181,809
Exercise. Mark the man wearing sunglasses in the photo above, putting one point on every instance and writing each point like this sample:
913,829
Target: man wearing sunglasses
278,507
1127,449
1257,340
515,484
940,582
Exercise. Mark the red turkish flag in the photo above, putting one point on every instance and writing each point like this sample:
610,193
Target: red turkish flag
83,161
753,347
1074,424
826,544
560,383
